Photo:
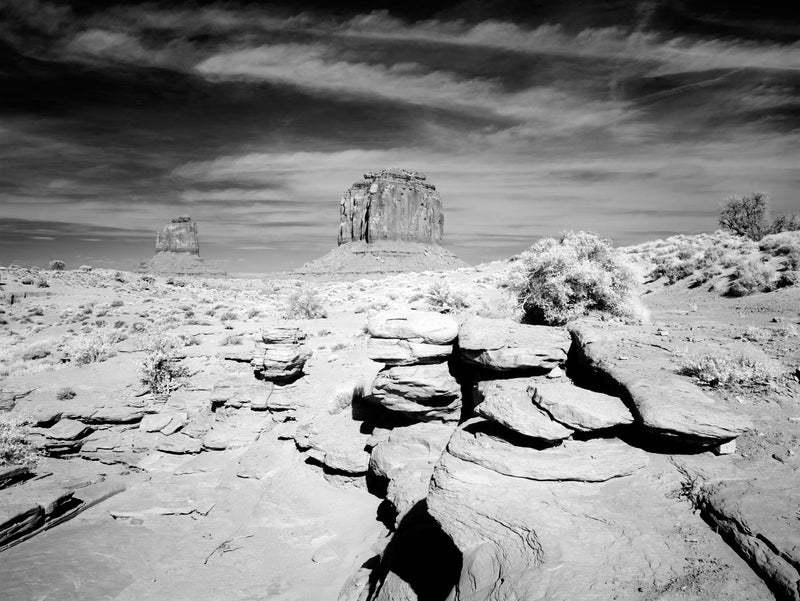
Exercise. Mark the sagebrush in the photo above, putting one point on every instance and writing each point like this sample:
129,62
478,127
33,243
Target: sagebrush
305,303
557,280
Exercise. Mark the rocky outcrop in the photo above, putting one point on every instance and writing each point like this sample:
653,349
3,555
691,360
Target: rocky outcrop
664,403
393,204
178,251
280,354
503,345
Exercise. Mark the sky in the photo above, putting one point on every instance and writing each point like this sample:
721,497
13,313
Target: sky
634,120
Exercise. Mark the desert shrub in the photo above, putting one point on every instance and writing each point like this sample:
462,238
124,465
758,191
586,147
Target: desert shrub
785,223
228,316
759,335
147,279
116,303
27,280
41,282
36,311
119,277
745,215
92,347
36,351
137,327
231,340
14,446
443,299
751,277
66,393
57,265
253,313
85,267
731,370
305,304
787,279
557,280
159,369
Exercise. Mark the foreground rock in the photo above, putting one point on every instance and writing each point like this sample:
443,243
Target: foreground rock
280,355
579,408
509,403
418,326
406,459
665,403
423,392
503,345
586,461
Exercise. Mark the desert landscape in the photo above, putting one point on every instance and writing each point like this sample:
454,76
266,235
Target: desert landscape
445,301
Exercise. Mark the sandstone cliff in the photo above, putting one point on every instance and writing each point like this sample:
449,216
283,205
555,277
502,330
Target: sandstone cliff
392,204
179,236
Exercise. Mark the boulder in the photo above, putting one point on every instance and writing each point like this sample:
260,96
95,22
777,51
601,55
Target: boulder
418,326
503,345
421,391
404,352
579,408
155,422
509,403
406,459
272,334
280,362
665,403
586,461
392,204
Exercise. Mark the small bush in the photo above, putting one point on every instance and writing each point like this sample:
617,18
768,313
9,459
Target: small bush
117,303
159,368
253,313
787,279
231,340
36,351
725,370
57,265
14,446
751,277
27,280
305,304
85,267
559,280
92,347
119,277
41,282
441,298
65,394
228,316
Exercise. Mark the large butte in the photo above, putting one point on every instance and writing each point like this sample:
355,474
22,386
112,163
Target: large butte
178,251
390,222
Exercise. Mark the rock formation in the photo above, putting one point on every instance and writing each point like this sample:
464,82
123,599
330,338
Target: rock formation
393,204
178,251
390,222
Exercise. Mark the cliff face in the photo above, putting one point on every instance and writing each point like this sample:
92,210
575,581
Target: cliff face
180,236
393,204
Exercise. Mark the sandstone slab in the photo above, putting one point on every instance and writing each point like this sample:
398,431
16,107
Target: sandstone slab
579,408
585,461
665,403
180,444
503,345
422,391
509,403
405,352
67,429
424,326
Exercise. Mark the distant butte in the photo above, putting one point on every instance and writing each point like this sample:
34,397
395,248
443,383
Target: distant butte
178,251
392,221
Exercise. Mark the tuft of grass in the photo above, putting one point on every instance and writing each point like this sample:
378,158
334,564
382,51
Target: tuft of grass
305,304
92,347
725,370
66,393
231,340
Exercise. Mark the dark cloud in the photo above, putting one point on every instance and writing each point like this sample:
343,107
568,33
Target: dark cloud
530,117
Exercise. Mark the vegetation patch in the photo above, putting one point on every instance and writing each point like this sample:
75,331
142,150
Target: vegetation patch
14,446
741,369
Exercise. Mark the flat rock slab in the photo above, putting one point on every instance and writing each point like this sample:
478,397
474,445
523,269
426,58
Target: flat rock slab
180,444
392,351
509,403
67,429
626,539
585,461
273,334
124,414
155,422
426,326
503,345
664,403
579,408
759,517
